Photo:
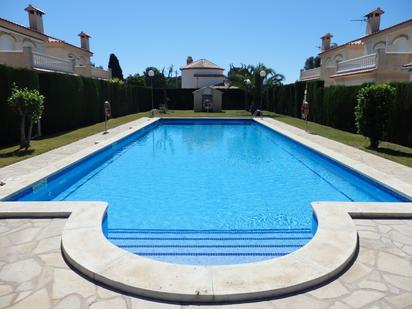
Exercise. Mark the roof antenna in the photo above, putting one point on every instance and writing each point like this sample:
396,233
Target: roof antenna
361,20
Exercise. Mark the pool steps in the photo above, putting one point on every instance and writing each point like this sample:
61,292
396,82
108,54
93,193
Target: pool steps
195,246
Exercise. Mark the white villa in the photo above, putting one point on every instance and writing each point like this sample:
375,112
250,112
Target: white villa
201,73
378,56
29,47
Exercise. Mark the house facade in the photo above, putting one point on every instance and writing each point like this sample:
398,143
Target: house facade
30,47
379,56
201,73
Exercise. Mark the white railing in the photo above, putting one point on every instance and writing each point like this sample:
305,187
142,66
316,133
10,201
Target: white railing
43,61
356,64
100,73
310,74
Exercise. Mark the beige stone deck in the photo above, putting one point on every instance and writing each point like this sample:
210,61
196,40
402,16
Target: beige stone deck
34,275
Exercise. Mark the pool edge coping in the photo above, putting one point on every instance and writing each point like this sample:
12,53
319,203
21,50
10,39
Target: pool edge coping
86,249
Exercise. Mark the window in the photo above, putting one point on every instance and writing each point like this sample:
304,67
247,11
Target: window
338,58
379,45
328,63
82,61
6,42
400,44
28,43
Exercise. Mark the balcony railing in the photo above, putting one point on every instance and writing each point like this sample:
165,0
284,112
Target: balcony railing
356,64
43,61
310,74
100,73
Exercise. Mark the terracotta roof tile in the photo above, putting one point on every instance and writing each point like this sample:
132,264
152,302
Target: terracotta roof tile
202,64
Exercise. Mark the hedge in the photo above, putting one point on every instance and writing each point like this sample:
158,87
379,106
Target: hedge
334,106
72,102
8,118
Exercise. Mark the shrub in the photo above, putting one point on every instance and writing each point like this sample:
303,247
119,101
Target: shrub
116,80
372,111
28,103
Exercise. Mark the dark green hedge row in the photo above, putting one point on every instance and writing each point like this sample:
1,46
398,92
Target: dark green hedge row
235,99
8,119
72,102
334,106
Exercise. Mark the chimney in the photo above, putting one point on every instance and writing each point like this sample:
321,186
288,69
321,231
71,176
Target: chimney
189,60
373,21
35,18
326,41
84,40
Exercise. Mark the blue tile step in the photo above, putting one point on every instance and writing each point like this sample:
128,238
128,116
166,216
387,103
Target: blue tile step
202,246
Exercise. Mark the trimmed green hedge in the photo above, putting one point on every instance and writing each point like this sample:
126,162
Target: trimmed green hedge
400,117
72,102
334,106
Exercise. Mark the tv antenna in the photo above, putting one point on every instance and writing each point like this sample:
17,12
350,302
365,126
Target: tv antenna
361,20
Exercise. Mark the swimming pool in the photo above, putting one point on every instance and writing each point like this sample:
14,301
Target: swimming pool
208,191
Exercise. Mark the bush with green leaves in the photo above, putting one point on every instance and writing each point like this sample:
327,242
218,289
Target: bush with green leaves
116,80
372,111
28,103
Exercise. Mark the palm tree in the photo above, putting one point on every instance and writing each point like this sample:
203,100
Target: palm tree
255,81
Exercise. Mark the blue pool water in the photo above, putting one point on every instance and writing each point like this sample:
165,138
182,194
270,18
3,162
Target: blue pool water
208,191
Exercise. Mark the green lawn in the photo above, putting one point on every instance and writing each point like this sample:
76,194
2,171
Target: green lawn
389,151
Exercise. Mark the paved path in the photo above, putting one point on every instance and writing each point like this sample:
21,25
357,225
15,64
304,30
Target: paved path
34,275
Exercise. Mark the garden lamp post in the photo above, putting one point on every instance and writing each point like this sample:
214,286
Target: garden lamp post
305,108
262,75
247,82
151,74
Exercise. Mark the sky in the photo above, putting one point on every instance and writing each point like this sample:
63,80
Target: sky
279,33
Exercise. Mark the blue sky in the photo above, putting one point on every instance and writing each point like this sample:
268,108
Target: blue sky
279,33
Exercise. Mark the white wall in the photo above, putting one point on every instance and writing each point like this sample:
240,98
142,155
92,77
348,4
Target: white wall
14,41
394,41
189,81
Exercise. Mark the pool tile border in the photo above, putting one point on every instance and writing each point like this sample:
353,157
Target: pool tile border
384,179
14,186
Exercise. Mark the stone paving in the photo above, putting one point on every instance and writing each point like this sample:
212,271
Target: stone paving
33,273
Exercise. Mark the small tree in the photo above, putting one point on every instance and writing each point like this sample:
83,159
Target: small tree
115,66
28,103
372,111
312,63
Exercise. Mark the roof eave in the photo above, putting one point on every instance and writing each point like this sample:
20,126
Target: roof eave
201,68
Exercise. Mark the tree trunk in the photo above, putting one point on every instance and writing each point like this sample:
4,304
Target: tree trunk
374,143
23,131
29,134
